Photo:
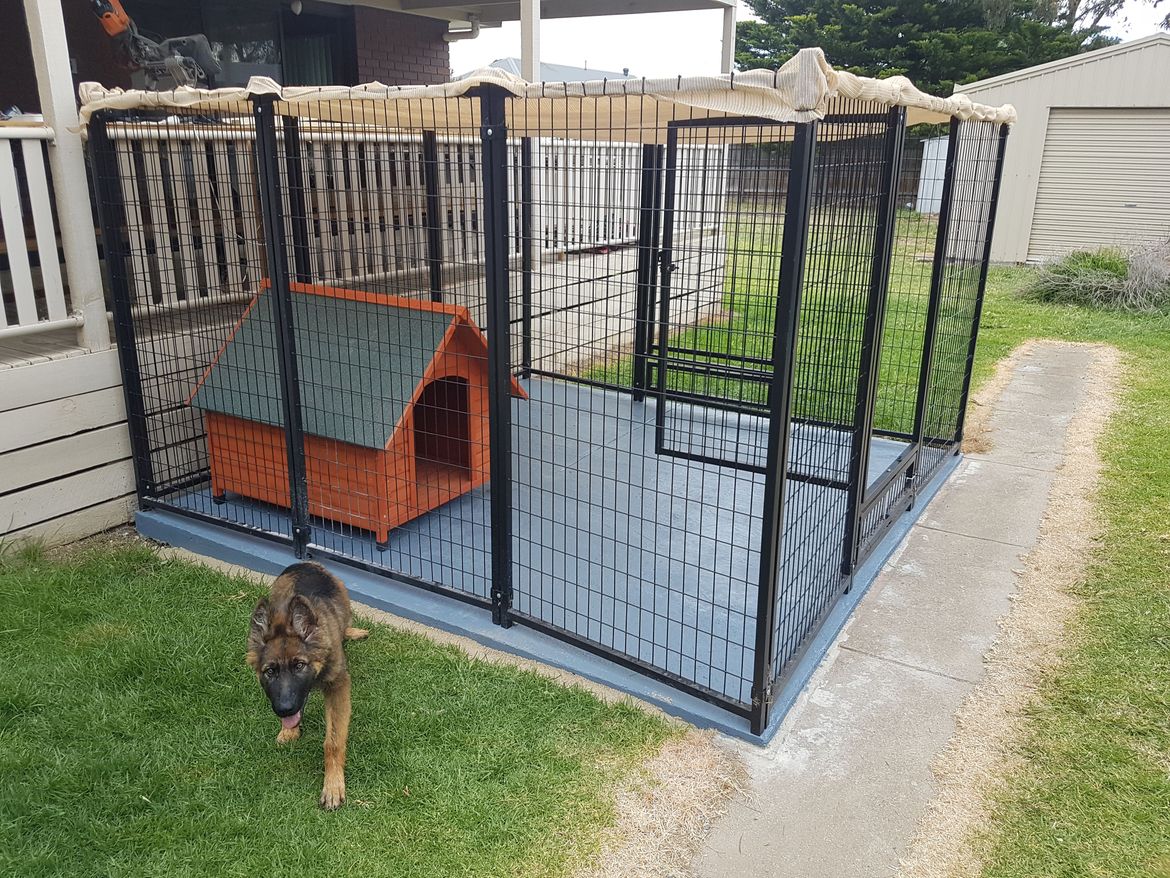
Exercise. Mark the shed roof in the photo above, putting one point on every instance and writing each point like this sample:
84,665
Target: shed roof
1153,41
359,363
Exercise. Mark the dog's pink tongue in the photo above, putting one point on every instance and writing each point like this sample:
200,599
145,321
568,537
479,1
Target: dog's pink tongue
291,722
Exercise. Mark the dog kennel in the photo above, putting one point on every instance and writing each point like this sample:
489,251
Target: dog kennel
396,426
722,354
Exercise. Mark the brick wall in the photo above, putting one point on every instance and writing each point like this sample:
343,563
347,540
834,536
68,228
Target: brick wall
398,49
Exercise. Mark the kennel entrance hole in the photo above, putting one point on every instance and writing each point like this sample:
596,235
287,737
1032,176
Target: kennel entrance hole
442,436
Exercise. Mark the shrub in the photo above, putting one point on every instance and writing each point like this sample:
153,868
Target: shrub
1136,279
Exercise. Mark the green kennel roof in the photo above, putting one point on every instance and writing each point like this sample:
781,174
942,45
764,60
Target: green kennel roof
359,364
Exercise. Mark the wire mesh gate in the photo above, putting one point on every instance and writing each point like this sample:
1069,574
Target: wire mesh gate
652,381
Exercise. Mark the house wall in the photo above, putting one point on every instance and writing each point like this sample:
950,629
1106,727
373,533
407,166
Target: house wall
1130,75
397,49
90,49
65,469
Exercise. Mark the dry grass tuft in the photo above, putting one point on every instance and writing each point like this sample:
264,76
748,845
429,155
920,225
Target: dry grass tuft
977,427
666,810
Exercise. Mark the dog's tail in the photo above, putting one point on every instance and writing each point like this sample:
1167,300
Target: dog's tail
356,633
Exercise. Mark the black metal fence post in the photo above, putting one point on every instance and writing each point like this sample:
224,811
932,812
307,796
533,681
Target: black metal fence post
871,342
430,147
666,267
646,255
526,245
655,262
993,206
295,180
112,222
268,179
794,244
494,137
938,270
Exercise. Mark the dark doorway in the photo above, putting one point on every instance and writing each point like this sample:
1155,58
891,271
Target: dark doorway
442,429
316,48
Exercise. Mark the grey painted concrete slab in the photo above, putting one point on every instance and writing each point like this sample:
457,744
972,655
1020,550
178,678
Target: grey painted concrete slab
650,555
839,791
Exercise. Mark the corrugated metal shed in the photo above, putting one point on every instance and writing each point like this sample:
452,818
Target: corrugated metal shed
1087,162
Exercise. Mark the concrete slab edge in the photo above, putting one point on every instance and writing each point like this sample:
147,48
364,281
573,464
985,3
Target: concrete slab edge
822,642
467,620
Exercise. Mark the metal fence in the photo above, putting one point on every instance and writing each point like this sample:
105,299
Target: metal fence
652,381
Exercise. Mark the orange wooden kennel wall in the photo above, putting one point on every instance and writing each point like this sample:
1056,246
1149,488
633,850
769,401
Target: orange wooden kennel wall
393,404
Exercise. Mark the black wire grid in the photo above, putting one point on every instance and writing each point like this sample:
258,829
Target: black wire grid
651,380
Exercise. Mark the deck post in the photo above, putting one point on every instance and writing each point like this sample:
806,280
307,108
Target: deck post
494,138
793,246
430,148
993,206
46,31
112,219
938,269
727,55
871,342
268,178
530,40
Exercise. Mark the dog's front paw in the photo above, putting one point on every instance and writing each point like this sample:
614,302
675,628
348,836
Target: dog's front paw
287,736
333,793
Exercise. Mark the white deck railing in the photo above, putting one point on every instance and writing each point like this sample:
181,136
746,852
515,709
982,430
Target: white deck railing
32,288
193,215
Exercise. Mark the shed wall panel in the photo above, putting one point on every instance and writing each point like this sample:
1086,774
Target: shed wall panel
1104,180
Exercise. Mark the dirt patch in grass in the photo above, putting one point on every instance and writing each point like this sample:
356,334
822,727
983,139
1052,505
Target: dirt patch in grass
664,813
984,748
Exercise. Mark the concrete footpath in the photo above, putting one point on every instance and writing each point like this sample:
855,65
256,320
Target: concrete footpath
842,787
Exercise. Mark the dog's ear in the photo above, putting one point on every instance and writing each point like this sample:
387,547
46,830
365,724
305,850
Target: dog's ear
261,619
304,620
260,616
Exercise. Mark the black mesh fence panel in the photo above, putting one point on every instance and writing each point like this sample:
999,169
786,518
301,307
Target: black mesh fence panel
849,176
646,378
960,288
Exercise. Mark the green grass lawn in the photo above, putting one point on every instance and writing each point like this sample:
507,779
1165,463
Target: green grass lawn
134,741
1093,796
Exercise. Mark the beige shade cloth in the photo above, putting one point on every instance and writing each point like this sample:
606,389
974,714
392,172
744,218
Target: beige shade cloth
802,90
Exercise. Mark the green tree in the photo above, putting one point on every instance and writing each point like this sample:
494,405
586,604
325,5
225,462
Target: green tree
936,43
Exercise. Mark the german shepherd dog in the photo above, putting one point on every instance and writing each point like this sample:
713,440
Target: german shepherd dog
297,644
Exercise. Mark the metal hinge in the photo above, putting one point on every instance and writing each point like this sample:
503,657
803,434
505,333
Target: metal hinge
767,696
